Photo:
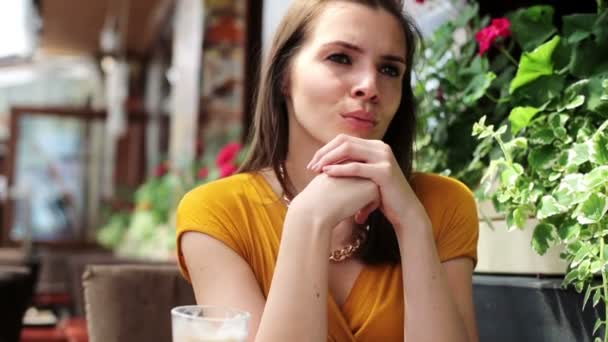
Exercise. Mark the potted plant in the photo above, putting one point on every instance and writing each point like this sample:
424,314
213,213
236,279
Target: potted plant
552,164
544,89
464,75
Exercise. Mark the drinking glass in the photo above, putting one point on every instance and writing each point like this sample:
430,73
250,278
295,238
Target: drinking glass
205,323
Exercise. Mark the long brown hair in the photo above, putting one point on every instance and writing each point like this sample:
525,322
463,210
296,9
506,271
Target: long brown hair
269,134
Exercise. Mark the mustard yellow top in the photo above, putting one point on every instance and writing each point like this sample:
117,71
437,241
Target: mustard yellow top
244,213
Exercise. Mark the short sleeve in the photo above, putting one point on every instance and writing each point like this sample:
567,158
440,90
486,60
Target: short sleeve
459,233
209,209
452,208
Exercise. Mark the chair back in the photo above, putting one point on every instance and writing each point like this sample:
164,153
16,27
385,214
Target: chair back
126,303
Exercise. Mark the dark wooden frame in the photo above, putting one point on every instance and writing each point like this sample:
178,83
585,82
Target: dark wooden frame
135,170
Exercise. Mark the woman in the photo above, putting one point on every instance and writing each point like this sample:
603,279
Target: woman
329,174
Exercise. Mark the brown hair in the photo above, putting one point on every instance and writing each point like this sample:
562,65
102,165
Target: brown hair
269,134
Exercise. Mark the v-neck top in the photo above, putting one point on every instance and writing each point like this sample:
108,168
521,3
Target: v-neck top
244,213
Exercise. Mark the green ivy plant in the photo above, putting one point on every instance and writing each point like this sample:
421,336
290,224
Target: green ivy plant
552,163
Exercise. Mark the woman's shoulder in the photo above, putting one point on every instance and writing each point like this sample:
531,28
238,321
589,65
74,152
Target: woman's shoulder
224,193
221,188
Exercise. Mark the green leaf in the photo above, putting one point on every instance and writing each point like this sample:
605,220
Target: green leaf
571,190
568,232
478,86
593,209
597,325
542,236
594,93
576,88
542,136
543,158
575,103
596,297
580,255
579,153
588,58
549,207
532,26
583,269
599,152
509,177
520,215
596,266
578,26
535,64
587,295
519,143
520,118
596,178
571,276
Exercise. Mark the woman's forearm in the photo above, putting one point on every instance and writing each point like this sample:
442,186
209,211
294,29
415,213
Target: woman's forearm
430,311
296,307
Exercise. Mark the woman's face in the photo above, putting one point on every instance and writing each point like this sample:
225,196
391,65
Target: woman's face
347,77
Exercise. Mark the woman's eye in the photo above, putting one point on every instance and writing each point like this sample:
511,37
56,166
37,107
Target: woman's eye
339,58
390,70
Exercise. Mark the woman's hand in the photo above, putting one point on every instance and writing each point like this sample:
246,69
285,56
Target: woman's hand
347,156
333,199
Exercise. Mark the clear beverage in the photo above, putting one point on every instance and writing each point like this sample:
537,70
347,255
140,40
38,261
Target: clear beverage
201,323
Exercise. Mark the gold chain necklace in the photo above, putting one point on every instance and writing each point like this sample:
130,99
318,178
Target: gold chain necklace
345,252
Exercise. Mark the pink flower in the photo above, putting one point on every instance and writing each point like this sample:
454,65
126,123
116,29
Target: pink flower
227,170
500,27
420,1
228,154
203,173
503,26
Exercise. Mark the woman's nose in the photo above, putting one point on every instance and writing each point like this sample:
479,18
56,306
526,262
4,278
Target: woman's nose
366,87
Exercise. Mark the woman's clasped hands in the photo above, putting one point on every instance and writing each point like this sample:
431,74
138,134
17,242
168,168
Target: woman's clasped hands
368,161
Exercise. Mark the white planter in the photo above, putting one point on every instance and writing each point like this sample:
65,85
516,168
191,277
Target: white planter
504,252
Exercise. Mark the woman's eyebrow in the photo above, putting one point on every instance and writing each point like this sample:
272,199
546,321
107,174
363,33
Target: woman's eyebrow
356,48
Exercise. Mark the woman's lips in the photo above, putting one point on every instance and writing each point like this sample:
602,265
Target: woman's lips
360,120
359,124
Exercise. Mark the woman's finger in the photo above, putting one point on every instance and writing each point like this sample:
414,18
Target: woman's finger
348,151
334,143
374,172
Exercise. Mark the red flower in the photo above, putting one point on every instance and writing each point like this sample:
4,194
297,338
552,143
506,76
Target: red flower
203,173
228,154
227,170
161,169
420,1
503,26
500,27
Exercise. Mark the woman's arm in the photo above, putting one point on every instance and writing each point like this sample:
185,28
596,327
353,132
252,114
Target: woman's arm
296,306
427,289
432,314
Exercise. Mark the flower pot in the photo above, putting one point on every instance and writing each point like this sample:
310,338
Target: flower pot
525,308
510,252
